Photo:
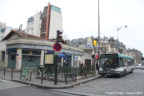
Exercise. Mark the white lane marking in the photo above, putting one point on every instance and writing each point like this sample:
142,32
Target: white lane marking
6,84
8,87
2,80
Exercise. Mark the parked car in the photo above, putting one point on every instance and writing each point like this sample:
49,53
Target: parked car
138,66
142,67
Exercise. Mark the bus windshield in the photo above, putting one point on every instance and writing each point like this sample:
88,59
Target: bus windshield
109,62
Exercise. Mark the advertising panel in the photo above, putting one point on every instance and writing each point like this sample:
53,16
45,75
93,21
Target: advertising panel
49,59
89,44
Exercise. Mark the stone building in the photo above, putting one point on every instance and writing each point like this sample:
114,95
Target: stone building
34,24
4,30
46,23
107,45
24,50
136,54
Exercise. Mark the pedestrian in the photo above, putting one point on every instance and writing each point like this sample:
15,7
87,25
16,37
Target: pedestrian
97,67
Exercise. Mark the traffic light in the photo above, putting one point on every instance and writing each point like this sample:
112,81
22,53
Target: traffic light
97,56
59,36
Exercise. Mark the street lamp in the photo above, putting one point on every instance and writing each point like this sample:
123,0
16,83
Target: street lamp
119,28
98,28
97,64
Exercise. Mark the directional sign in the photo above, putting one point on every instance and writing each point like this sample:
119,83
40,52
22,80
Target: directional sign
95,43
57,47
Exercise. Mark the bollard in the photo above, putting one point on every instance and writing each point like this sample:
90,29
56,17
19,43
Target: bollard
30,76
66,79
42,78
12,74
4,71
20,74
75,77
56,69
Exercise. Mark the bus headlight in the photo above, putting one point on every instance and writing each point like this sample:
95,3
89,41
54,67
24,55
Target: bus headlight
100,69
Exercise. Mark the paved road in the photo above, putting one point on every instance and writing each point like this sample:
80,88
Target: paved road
129,85
9,88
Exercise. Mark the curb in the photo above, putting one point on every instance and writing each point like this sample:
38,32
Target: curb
2,78
55,86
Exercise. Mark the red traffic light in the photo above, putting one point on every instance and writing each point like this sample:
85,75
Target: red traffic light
97,56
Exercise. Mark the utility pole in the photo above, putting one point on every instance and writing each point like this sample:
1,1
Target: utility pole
98,32
58,39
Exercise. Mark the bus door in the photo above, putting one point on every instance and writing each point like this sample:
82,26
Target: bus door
126,65
130,67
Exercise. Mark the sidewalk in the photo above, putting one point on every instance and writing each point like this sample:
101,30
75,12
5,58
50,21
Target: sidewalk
47,84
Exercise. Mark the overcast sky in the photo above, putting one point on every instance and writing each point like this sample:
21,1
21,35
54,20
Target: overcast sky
80,17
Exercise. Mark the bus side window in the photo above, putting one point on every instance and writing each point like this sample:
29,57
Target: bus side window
129,61
125,62
121,62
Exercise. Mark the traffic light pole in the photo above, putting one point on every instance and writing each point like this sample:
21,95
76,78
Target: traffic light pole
55,62
56,57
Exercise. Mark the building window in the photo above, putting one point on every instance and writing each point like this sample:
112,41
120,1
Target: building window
3,55
30,59
13,57
31,52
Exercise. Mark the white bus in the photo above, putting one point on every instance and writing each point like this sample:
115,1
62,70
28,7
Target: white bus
115,64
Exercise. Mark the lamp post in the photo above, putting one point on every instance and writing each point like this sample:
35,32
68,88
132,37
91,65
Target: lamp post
98,28
97,65
119,28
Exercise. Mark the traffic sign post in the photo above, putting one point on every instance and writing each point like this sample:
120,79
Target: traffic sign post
57,48
56,71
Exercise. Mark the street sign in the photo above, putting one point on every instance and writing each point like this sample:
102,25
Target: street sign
88,46
49,52
95,43
57,47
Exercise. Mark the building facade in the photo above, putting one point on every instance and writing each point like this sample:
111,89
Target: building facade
4,30
34,24
46,23
19,52
136,54
107,45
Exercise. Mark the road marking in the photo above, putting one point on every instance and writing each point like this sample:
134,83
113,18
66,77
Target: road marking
74,93
6,84
1,80
8,87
